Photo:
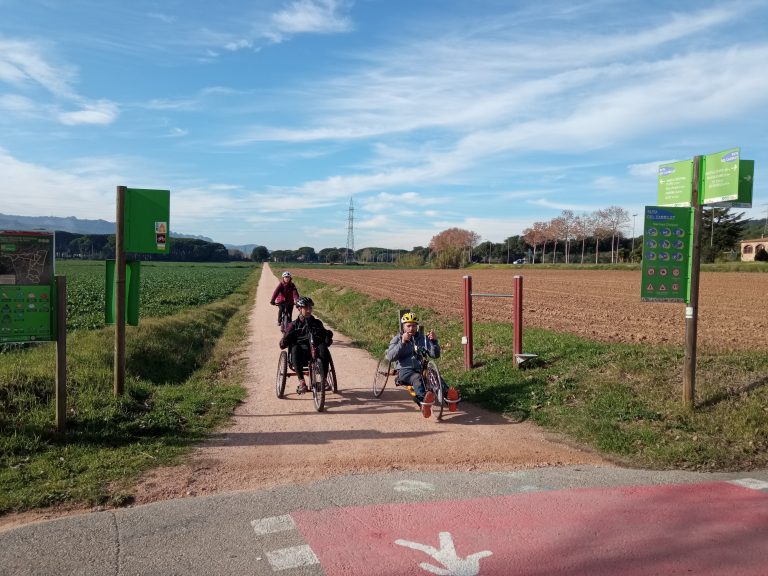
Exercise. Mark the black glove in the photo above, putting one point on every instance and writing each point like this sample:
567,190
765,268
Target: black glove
328,337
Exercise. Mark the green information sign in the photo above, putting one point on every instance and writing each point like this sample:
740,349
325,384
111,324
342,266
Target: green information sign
721,177
666,254
26,296
675,183
26,313
147,214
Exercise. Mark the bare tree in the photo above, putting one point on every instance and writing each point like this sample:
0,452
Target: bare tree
616,220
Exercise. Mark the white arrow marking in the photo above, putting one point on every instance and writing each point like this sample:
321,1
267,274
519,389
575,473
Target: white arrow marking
446,555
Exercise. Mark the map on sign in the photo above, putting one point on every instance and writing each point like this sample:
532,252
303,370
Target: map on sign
26,258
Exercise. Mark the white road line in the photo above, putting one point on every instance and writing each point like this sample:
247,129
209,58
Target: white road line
273,524
287,558
751,483
413,486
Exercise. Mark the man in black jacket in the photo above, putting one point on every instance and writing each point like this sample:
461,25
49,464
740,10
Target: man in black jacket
296,338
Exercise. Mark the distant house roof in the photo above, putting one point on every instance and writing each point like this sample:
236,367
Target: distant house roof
755,240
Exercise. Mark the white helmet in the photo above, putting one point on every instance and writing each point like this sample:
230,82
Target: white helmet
286,274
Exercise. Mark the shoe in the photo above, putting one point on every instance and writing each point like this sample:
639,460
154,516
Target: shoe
453,398
426,404
302,387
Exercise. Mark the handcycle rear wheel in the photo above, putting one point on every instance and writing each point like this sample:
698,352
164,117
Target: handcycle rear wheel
381,377
317,383
282,373
331,376
433,382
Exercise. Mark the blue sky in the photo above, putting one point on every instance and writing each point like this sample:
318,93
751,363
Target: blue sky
264,118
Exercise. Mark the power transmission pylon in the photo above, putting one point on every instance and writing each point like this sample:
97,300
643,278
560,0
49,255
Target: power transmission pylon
350,254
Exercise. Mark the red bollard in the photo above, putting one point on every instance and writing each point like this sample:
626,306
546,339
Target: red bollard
517,343
467,338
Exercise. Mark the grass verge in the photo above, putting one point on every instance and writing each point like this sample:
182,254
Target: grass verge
622,400
182,382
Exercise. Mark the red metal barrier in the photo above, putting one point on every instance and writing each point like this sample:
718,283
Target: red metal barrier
517,340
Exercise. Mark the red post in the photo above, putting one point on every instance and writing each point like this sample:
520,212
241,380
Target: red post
517,343
467,338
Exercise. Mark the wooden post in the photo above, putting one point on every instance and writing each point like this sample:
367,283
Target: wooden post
691,311
119,366
61,353
467,339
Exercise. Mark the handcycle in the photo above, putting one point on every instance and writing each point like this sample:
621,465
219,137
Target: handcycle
318,380
429,373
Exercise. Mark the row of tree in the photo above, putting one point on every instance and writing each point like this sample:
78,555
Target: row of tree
601,236
102,247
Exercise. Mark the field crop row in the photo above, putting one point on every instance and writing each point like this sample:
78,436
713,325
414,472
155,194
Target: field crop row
166,288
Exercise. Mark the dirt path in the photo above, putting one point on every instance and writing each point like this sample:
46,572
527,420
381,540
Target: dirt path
284,441
273,441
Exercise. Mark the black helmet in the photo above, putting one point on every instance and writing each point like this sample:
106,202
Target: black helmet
304,301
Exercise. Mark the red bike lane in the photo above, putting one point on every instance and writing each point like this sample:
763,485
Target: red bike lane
703,529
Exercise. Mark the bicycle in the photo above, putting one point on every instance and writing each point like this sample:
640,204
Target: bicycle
284,315
319,381
429,373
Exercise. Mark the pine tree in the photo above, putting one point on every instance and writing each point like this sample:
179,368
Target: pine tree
721,231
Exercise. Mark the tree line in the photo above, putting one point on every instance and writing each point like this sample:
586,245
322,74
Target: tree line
603,236
102,247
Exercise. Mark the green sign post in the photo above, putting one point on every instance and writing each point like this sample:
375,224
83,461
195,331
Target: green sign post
672,240
33,301
142,226
666,254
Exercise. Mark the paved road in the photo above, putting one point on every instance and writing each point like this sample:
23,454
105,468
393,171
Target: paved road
577,520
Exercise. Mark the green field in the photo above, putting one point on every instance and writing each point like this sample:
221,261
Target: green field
166,288
181,383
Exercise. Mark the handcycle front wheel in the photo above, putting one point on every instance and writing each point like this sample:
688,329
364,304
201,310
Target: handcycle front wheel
433,382
381,377
317,383
282,374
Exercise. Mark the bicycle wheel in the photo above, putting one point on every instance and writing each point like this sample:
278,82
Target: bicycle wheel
381,377
316,383
282,373
434,383
331,377
284,320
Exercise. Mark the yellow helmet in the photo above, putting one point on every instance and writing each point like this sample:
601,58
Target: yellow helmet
409,317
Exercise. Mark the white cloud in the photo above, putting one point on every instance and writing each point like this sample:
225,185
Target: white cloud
24,65
315,16
101,112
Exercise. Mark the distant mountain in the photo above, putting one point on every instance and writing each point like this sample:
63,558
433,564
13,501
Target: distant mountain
245,248
70,224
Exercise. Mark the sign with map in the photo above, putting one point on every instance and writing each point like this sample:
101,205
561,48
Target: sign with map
26,257
26,294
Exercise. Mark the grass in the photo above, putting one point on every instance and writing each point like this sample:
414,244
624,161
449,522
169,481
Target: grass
622,400
183,381
185,377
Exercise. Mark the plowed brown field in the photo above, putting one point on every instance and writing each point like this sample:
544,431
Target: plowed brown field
598,304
